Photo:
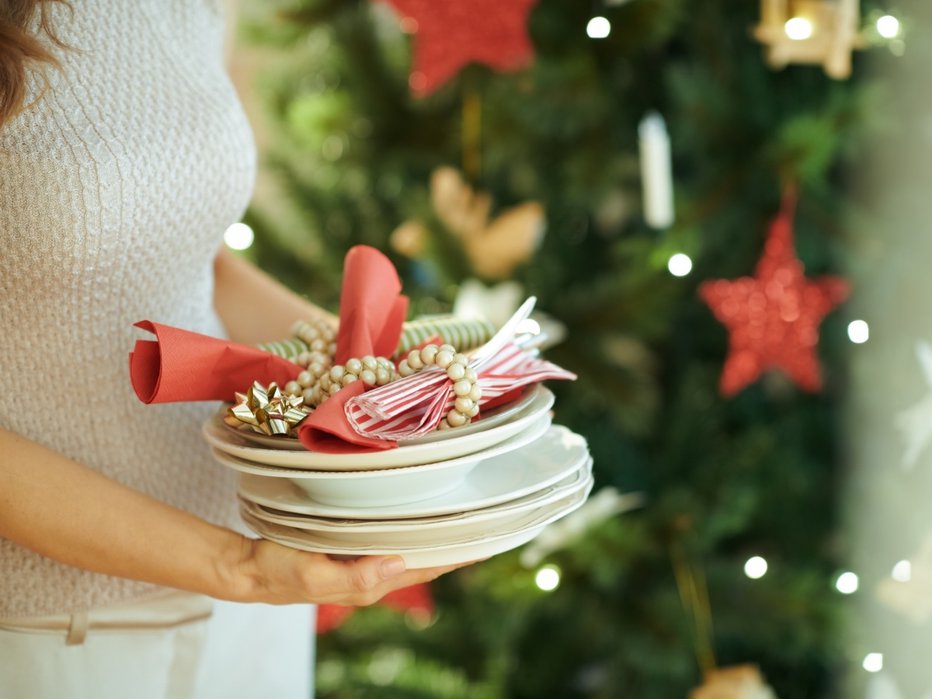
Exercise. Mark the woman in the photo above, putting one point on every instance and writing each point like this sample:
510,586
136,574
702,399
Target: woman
120,168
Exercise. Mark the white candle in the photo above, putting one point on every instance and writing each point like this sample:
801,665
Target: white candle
656,171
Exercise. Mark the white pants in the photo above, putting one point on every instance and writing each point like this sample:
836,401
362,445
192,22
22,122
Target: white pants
175,646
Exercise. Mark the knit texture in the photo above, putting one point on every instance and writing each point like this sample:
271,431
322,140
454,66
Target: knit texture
115,189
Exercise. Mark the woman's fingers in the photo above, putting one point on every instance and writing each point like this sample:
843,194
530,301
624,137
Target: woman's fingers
366,580
284,575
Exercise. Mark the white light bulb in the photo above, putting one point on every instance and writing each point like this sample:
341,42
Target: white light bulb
798,28
873,662
847,583
679,264
888,26
598,28
755,567
902,571
239,236
858,332
548,578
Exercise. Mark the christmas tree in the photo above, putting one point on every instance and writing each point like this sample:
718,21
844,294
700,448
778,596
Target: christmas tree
732,556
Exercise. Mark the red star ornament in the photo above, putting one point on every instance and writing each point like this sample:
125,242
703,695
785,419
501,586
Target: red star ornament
773,317
448,34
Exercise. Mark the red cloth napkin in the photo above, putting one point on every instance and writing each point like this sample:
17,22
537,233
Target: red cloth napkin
180,365
372,312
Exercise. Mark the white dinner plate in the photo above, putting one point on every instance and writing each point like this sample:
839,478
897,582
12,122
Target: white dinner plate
487,419
393,486
451,552
539,498
425,531
496,480
220,438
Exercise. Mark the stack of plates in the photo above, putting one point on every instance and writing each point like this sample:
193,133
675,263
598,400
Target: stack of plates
448,497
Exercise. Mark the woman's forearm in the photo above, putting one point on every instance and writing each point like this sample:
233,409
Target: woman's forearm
253,306
74,515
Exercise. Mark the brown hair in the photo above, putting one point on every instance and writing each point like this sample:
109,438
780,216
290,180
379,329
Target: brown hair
19,48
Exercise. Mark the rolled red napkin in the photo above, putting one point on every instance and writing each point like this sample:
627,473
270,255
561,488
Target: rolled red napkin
180,365
372,311
372,307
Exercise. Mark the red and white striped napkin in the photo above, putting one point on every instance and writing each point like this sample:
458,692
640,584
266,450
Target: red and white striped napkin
415,405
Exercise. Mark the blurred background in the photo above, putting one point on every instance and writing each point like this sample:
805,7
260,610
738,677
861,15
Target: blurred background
758,398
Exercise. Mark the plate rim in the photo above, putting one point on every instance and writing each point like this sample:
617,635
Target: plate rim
540,522
398,457
506,411
535,430
548,495
423,508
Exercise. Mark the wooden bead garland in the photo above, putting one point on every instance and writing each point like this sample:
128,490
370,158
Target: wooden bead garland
321,378
465,380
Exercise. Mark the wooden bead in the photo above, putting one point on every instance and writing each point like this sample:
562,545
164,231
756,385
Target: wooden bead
294,388
462,388
368,377
456,372
325,382
456,419
382,376
443,359
306,379
472,412
475,392
369,362
471,375
464,404
414,360
429,354
354,366
318,345
460,358
336,372
404,369
448,348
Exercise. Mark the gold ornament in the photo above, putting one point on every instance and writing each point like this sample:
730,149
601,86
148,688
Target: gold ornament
494,247
810,31
267,411
738,682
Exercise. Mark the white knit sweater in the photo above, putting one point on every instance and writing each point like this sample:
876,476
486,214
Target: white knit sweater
115,190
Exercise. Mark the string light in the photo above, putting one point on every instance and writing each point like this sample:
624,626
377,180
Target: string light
873,662
679,264
239,236
902,571
858,332
548,578
888,26
847,583
598,28
755,567
798,28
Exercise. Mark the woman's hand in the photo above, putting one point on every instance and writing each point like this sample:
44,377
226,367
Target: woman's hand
275,574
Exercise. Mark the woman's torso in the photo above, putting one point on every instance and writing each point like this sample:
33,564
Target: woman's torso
115,190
